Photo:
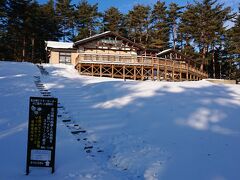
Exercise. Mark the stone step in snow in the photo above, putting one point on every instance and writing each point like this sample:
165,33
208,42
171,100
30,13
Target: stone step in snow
79,131
66,120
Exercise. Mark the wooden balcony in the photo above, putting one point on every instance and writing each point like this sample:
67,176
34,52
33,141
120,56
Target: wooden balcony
138,67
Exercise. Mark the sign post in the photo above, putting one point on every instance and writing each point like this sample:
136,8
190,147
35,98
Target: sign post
41,133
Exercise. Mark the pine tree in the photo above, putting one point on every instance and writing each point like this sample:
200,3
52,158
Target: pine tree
112,19
17,14
160,27
173,18
87,19
233,47
138,24
66,15
50,20
3,25
203,23
186,30
234,36
47,28
123,29
2,16
28,26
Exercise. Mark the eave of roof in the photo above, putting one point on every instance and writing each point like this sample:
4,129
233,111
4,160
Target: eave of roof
97,36
57,44
91,38
164,52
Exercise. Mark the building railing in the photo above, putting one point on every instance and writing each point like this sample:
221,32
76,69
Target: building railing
178,64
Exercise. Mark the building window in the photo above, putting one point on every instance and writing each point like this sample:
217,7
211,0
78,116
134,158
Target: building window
64,58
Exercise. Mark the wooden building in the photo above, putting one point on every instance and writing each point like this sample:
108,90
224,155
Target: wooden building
111,55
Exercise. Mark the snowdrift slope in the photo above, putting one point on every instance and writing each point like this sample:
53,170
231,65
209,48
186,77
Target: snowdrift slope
137,130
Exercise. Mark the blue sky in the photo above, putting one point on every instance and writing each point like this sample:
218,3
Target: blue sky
125,5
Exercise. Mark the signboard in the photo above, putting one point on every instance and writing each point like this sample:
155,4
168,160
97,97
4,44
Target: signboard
41,132
112,41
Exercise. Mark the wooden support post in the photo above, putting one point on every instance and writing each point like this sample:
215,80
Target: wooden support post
152,73
165,70
112,70
124,75
80,68
142,73
100,70
158,72
134,71
187,72
92,70
180,71
173,71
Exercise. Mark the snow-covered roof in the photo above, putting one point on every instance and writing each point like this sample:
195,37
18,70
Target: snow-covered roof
92,37
59,45
164,51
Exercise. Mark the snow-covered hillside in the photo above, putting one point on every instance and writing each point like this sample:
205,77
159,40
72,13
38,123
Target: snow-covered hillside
134,130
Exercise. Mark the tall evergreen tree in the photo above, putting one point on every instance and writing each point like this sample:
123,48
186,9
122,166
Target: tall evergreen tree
3,25
112,19
28,26
233,48
173,18
66,16
17,14
234,36
87,19
160,27
49,17
186,30
47,28
203,23
2,17
138,24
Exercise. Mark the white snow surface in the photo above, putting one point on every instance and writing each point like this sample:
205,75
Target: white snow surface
146,130
60,45
94,36
164,51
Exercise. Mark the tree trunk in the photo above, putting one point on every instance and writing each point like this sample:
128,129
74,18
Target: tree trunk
24,48
33,46
203,58
213,62
174,36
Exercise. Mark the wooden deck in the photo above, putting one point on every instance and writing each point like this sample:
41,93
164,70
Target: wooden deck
138,68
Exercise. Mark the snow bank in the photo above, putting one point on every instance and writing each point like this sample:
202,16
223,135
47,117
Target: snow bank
156,130
147,130
59,45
